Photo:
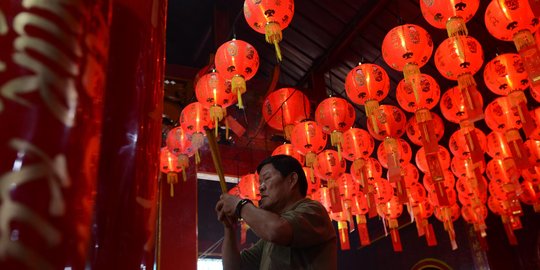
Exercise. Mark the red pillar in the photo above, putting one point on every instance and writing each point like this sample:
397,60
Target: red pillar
129,166
52,73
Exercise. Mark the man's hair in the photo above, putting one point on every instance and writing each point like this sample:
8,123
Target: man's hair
287,165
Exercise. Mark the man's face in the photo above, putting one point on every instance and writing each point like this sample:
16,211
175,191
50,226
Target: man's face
274,189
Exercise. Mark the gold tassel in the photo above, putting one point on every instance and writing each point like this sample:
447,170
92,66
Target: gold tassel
456,26
523,38
371,107
172,178
310,159
336,137
216,114
273,36
288,131
412,75
226,128
238,84
464,82
183,162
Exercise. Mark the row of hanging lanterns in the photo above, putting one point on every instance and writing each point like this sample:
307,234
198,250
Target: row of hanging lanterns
353,197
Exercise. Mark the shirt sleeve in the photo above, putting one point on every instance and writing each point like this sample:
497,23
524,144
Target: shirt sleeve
251,258
311,224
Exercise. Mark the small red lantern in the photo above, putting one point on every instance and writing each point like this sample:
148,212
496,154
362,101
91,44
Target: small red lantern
497,146
404,149
416,193
328,165
530,195
459,55
308,139
169,165
455,107
532,147
506,73
370,171
347,186
194,118
383,190
407,48
270,18
504,19
458,143
410,174
284,108
343,229
466,167
367,84
449,181
535,115
444,159
390,123
237,61
426,98
415,135
314,182
335,116
357,143
288,149
249,187
407,44
391,212
179,144
449,14
213,92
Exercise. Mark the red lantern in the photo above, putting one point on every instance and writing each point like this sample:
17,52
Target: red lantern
459,55
444,159
530,195
449,14
506,73
504,21
343,229
415,135
465,167
502,172
500,117
169,165
390,123
454,106
426,98
357,143
213,92
367,84
458,143
497,146
391,212
410,174
249,187
383,190
370,171
308,139
314,182
284,108
404,149
470,189
407,44
449,181
335,116
448,213
347,186
237,61
194,118
360,208
416,193
179,144
328,165
535,115
270,18
407,48
532,147
452,199
288,149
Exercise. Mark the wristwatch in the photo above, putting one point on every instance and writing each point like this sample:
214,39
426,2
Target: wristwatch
239,206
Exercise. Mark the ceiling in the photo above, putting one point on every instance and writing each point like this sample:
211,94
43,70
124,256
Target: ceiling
325,40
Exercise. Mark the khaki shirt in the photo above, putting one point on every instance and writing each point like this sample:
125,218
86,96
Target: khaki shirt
313,245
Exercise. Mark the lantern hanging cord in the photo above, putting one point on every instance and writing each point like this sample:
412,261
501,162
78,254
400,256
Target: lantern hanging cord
211,249
232,34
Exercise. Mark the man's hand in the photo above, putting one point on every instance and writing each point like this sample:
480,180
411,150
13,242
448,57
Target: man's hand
225,209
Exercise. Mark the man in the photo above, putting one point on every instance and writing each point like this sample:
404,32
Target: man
295,232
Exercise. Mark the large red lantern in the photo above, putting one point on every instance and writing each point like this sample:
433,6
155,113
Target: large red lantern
415,135
314,182
237,61
335,116
269,17
514,20
497,146
370,170
506,73
284,108
422,163
214,92
357,144
328,165
456,108
449,14
288,149
367,84
391,122
458,143
404,149
426,98
308,139
407,48
465,167
179,144
194,119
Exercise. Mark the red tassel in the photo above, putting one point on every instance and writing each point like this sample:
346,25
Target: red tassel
396,241
430,236
510,234
363,232
343,235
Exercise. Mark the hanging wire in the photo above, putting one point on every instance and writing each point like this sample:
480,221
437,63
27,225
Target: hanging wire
211,249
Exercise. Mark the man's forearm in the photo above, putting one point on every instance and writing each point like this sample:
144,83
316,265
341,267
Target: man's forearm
267,225
229,250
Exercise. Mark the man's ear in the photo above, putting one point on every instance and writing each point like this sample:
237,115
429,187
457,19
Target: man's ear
293,179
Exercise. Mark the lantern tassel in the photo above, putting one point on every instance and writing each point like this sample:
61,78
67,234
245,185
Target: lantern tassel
183,162
172,178
288,131
343,235
411,73
363,233
455,26
273,35
530,54
238,86
336,138
371,107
